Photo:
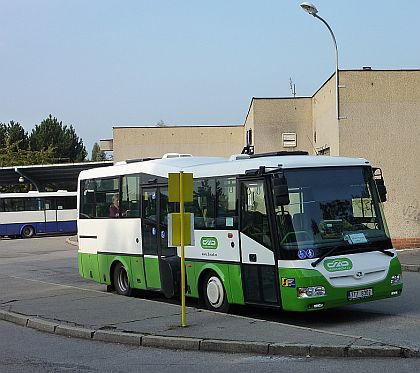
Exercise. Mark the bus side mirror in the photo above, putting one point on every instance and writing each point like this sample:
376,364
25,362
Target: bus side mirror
380,184
281,191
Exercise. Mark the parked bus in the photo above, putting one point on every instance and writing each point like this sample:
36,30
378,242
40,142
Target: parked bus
34,213
295,232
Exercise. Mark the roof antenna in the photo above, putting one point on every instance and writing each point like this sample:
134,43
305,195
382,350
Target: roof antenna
292,87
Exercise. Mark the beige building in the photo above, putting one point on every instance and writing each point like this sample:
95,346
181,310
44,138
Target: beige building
379,120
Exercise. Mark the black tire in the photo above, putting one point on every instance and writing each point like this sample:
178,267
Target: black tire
214,293
121,282
28,231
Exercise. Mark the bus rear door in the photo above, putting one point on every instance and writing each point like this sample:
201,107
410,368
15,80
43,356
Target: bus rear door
50,215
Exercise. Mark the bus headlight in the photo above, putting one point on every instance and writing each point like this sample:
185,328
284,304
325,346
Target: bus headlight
396,279
311,291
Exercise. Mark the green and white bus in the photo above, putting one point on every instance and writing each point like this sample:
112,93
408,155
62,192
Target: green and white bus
290,231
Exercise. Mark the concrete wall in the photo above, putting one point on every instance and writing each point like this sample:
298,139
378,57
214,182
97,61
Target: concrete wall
324,120
274,116
383,125
249,123
139,142
380,113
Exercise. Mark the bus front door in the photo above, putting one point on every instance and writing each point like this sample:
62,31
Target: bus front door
159,259
259,272
150,242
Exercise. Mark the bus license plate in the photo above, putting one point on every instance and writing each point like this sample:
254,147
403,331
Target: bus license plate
359,294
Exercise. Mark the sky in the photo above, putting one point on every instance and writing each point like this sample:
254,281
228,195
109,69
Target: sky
98,64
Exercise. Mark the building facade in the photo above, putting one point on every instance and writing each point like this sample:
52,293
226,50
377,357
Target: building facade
379,121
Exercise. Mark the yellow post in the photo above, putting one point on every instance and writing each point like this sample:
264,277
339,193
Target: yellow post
181,210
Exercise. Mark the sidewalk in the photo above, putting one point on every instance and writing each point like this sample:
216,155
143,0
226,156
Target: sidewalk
92,314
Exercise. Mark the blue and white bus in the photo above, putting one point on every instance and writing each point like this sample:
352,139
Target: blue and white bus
33,213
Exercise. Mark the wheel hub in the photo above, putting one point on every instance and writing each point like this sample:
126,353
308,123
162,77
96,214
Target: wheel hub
215,292
122,280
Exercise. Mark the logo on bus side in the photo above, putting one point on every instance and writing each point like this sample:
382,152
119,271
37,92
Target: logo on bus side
209,243
335,265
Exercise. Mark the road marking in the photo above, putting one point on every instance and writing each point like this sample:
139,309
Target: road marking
61,285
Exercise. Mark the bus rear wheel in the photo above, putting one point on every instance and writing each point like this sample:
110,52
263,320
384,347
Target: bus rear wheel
121,282
28,231
214,294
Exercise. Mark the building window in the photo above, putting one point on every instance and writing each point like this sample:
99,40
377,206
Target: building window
289,140
249,137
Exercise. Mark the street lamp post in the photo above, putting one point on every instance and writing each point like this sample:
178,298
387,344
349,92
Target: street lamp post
312,10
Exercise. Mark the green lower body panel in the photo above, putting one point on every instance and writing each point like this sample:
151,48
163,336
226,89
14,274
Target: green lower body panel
137,278
144,274
335,297
98,267
151,269
230,274
89,266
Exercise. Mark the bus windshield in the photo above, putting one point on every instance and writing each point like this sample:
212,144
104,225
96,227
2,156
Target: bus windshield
331,208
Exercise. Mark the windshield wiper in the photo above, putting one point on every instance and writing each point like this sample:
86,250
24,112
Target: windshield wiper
386,252
323,256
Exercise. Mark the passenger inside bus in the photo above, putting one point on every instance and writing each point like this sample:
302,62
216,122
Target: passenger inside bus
114,208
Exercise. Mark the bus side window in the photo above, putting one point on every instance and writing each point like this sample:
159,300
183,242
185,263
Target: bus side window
49,204
226,210
14,204
31,204
66,203
87,199
204,204
130,199
106,190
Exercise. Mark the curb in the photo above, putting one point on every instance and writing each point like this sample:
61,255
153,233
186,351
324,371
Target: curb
410,268
70,242
214,345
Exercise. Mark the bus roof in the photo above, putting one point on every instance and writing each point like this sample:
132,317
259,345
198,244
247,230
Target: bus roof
218,166
34,194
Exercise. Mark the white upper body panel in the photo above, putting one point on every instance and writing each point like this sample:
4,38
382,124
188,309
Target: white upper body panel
218,166
34,194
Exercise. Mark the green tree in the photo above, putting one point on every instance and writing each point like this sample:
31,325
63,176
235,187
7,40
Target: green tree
17,135
161,123
64,140
12,155
97,153
3,135
14,134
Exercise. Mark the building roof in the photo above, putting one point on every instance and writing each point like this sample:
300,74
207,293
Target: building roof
45,174
181,126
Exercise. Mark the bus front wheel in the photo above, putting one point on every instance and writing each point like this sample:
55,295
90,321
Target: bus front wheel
214,294
121,282
28,232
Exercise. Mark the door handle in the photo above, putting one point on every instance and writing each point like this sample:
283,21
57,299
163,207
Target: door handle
253,258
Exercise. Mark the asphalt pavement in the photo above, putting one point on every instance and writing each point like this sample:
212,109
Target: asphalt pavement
76,311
